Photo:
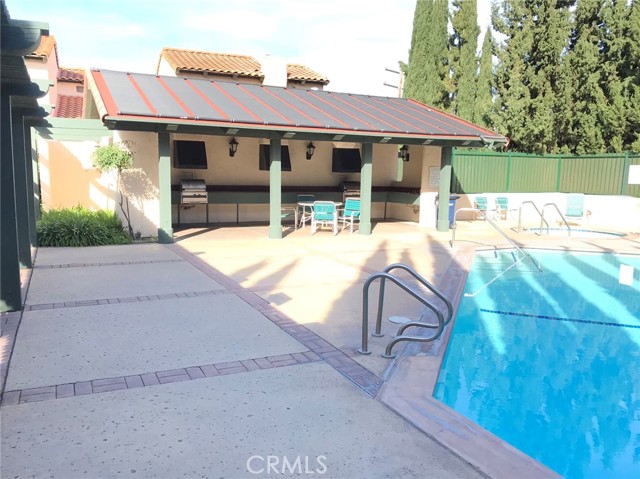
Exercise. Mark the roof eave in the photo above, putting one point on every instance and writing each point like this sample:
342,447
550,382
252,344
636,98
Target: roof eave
175,125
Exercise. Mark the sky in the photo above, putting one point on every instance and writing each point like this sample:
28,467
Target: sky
349,41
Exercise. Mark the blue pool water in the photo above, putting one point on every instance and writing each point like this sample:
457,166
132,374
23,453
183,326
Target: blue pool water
550,361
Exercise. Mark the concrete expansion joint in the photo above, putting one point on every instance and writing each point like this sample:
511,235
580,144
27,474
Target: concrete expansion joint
131,299
114,263
96,386
334,357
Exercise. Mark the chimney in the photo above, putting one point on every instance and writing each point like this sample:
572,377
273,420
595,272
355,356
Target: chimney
274,70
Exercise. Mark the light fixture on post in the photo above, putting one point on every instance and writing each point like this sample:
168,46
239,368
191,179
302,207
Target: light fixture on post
233,147
310,150
403,153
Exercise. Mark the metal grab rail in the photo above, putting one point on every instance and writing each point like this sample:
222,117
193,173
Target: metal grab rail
422,281
384,275
539,213
564,220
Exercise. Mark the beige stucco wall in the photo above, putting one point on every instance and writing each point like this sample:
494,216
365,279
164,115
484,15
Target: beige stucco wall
40,70
428,190
67,177
70,88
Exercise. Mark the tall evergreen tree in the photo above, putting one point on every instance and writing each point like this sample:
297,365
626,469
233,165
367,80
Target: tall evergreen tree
463,57
484,94
631,71
428,56
529,77
585,81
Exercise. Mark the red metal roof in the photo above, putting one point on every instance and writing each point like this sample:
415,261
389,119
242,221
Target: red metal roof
129,98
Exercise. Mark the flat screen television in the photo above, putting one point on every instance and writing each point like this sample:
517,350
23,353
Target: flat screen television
346,160
265,157
189,154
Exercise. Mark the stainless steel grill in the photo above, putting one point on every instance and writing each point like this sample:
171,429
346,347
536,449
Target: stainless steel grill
193,192
350,189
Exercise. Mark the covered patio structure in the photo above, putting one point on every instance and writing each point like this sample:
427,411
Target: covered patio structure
172,106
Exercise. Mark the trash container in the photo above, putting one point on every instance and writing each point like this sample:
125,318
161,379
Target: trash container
452,208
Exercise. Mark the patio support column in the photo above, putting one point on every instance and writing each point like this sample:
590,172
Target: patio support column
32,205
10,294
21,192
366,181
275,190
445,189
165,230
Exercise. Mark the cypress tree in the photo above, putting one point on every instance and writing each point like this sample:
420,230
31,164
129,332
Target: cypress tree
588,100
631,71
428,56
529,78
484,95
464,62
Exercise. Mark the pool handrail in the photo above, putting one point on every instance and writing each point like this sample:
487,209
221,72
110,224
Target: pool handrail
384,275
564,220
542,220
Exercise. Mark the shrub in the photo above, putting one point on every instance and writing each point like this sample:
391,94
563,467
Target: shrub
78,226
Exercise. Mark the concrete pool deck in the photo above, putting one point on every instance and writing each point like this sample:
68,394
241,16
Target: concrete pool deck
193,358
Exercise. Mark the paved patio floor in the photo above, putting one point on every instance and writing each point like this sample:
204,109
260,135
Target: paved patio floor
225,354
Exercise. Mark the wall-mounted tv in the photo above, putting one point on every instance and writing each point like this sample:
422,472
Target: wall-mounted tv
346,160
265,157
189,154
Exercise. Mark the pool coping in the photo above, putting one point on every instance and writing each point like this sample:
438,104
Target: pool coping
416,372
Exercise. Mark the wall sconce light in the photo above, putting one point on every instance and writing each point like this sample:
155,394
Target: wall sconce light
403,153
233,147
310,150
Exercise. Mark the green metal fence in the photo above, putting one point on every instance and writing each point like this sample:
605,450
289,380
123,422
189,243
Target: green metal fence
482,172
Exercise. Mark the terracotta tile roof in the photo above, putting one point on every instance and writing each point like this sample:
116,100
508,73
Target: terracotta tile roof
297,72
47,45
74,75
68,106
209,62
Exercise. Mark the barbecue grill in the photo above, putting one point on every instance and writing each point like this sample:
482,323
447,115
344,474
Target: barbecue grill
193,192
350,189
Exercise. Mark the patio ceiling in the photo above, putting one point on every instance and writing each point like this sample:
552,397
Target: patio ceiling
142,102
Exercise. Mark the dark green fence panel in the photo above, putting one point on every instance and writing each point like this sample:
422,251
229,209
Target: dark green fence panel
533,174
596,175
490,172
478,173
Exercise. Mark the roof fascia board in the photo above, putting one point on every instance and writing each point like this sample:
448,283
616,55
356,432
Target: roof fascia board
258,131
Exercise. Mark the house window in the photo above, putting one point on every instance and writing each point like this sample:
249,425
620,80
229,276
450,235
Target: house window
79,89
265,157
189,154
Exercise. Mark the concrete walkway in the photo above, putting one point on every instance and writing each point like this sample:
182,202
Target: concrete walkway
223,355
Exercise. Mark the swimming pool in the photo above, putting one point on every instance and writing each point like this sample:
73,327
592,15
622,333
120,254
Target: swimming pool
550,361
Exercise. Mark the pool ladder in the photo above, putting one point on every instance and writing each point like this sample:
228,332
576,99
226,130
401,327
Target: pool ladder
400,337
541,214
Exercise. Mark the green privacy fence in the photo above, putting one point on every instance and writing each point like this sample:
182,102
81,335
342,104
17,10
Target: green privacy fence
482,172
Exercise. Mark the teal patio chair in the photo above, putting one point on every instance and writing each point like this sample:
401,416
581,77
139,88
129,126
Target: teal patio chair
502,207
324,214
575,208
350,212
482,204
304,211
